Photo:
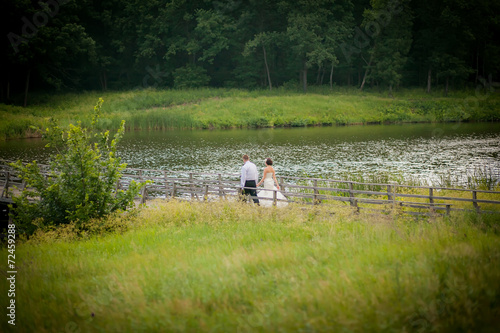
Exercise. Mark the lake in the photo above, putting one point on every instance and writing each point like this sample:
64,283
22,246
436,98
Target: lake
426,152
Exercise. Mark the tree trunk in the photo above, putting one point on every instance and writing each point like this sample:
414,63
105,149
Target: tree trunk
366,73
484,60
429,76
304,78
331,77
446,87
27,88
267,68
8,90
349,78
477,67
101,81
390,91
105,81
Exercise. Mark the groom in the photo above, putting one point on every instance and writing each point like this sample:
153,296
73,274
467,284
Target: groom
249,177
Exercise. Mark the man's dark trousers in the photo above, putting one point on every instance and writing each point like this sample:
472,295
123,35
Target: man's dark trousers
252,190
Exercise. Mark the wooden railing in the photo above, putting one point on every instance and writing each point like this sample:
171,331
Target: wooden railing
297,190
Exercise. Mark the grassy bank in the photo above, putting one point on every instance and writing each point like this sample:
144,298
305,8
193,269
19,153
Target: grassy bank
230,267
225,108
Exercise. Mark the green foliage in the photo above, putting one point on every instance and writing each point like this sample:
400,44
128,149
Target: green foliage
392,42
211,29
190,76
80,181
118,44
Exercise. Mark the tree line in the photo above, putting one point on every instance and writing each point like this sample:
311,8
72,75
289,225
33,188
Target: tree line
126,44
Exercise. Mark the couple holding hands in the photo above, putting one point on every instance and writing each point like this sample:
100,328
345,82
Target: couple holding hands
249,177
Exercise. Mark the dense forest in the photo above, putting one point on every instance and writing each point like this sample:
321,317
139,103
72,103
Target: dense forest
128,44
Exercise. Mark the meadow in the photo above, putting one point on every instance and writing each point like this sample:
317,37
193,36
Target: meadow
211,108
224,267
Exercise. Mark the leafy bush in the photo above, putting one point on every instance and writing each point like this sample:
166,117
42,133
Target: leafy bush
80,181
190,77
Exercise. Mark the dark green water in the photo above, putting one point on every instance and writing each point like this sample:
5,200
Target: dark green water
416,151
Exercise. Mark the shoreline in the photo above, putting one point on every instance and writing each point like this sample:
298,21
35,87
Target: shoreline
128,129
309,126
228,109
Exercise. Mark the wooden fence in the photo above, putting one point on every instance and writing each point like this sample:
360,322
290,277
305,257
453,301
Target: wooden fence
415,200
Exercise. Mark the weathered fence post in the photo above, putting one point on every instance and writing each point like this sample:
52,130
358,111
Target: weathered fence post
448,209
117,187
191,185
394,195
431,195
205,197
316,192
6,186
144,195
174,189
219,178
282,185
389,194
275,197
474,202
431,209
351,195
166,183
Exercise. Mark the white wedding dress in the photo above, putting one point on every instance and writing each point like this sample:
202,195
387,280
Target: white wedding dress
267,193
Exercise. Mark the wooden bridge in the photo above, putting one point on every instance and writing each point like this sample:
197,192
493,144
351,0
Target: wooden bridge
377,197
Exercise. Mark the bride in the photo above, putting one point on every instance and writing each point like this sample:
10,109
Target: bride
269,178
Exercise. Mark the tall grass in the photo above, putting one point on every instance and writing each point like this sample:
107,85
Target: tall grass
231,108
180,266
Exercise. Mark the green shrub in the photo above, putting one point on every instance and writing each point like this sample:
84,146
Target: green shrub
80,182
190,77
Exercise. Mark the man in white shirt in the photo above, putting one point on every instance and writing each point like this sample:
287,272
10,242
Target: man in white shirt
249,177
